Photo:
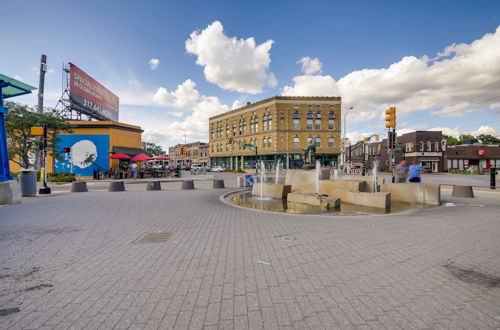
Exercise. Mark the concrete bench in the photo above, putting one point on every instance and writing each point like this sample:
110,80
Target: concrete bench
79,186
153,185
116,186
218,184
187,185
462,191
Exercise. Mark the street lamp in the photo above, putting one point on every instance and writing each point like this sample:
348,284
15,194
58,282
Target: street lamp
343,156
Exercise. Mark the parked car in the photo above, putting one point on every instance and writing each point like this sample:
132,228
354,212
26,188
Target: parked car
217,169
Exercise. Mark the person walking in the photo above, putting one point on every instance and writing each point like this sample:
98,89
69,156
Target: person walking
401,172
415,171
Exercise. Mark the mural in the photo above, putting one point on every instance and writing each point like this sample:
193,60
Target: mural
88,152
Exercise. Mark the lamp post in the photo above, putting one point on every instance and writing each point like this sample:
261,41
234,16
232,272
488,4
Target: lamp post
343,156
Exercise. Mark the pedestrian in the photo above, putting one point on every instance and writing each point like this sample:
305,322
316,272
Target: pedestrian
414,172
401,172
133,169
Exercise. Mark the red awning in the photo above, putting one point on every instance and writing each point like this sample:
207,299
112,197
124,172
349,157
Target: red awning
140,158
119,155
162,158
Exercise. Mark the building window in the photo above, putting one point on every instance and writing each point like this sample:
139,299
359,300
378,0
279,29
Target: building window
436,146
256,125
212,147
296,142
317,121
331,120
269,142
282,120
264,123
227,130
309,118
318,141
309,140
331,142
422,146
429,146
264,142
296,120
296,107
270,122
227,147
309,108
318,107
281,142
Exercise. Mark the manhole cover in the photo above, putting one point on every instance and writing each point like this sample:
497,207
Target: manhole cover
154,238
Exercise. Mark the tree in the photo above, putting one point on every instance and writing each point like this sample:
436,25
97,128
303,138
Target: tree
488,139
466,137
153,149
450,140
22,146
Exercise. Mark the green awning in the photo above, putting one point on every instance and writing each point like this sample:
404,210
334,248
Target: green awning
14,87
130,151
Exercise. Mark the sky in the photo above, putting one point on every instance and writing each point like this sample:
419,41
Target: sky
174,64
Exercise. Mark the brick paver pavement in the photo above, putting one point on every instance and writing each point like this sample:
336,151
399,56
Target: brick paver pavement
72,261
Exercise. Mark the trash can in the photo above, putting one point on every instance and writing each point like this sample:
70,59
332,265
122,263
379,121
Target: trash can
27,181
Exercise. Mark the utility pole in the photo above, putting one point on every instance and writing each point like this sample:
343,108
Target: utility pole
41,84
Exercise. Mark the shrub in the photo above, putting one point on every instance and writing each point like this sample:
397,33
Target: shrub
234,171
61,177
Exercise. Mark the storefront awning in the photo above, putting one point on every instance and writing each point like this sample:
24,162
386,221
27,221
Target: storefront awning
130,151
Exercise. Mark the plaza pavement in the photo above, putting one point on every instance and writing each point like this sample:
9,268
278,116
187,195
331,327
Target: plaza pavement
74,261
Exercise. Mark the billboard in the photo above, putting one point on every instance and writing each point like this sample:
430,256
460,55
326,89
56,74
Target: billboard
90,97
88,152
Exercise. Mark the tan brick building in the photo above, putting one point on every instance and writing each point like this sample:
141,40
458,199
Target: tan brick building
280,127
196,153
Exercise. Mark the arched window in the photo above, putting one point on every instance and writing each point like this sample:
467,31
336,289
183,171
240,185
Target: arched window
317,121
318,141
296,120
331,142
309,123
331,120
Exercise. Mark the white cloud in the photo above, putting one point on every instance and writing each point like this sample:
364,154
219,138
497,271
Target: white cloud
460,79
233,64
236,104
18,77
153,63
184,97
487,130
177,114
310,65
312,85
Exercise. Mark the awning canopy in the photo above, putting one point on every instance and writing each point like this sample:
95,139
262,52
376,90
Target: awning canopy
130,151
12,87
141,158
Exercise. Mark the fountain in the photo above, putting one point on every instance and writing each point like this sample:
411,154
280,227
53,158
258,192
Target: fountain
318,167
277,172
374,176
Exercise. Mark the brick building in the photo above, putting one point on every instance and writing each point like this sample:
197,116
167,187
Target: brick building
476,157
196,153
424,147
280,127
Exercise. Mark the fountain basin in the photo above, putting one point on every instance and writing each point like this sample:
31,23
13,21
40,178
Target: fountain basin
380,200
324,202
278,191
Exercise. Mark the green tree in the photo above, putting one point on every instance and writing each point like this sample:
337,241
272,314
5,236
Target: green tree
22,146
466,137
450,140
153,149
488,139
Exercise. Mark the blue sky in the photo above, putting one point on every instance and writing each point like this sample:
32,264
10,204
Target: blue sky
373,54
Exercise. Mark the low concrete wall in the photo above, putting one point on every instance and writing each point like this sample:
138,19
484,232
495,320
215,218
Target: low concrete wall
305,180
368,179
413,193
279,191
351,185
379,200
326,203
10,192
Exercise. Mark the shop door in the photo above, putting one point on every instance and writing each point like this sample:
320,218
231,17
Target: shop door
435,167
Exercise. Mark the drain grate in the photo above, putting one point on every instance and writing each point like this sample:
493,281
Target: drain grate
154,238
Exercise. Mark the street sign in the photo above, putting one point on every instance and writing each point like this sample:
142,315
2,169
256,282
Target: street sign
249,145
398,149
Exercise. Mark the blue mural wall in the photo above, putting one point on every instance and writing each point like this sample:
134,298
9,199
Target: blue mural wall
88,152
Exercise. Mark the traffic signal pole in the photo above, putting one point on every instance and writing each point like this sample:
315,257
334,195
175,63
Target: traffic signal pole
390,124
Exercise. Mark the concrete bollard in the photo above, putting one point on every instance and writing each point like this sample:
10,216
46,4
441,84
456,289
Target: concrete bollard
187,185
116,186
462,191
218,184
79,186
153,185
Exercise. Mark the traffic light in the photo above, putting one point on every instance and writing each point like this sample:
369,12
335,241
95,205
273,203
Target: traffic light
390,117
377,137
183,151
365,140
391,140
66,150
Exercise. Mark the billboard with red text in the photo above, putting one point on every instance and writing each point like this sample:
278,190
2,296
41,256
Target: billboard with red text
90,97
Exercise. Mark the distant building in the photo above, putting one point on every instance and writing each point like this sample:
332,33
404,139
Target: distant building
280,127
425,147
196,153
476,157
